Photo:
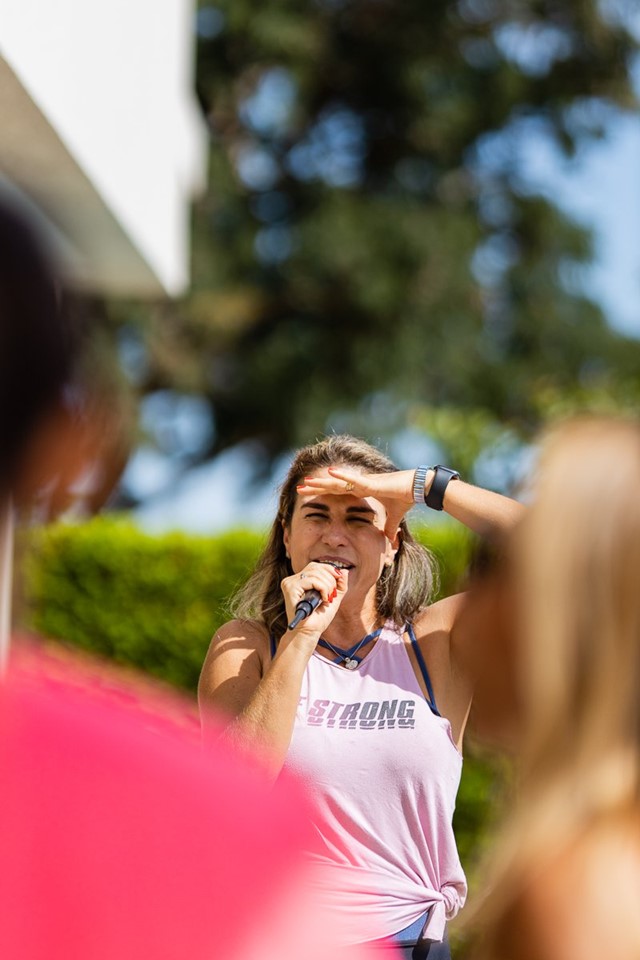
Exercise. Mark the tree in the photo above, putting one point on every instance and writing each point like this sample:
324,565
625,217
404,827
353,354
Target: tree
368,242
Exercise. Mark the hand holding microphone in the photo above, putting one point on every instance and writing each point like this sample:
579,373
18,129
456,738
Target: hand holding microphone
312,598
305,607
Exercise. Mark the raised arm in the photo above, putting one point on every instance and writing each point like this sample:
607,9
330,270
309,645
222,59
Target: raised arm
484,512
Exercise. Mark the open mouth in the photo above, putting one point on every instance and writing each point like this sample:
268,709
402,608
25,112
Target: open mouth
338,564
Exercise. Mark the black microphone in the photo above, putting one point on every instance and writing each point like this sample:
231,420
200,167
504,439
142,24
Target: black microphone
306,606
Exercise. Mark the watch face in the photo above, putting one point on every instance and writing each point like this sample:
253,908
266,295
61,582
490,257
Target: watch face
435,497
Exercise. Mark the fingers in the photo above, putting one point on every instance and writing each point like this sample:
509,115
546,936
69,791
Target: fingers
348,476
394,486
395,514
315,576
340,481
342,584
393,490
332,586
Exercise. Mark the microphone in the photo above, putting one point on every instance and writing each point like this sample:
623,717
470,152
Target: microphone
305,607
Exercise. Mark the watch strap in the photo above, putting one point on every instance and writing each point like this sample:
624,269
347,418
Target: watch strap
419,480
441,478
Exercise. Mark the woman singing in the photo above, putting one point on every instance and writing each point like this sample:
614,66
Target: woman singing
366,697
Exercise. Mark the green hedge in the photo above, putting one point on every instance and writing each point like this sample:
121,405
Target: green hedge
149,602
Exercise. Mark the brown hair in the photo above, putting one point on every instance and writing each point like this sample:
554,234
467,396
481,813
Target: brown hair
576,560
403,589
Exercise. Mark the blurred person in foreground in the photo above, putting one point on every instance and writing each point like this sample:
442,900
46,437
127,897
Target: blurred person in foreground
118,839
558,682
366,698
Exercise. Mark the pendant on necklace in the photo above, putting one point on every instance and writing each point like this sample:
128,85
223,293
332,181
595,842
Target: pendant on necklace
350,664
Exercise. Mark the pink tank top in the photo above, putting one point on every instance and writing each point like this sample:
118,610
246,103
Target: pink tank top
384,772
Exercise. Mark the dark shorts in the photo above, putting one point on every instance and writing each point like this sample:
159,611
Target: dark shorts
438,950
407,945
413,951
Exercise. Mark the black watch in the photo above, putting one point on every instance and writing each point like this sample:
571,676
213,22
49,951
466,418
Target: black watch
442,476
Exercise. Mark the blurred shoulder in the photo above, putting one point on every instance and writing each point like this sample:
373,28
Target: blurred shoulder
584,903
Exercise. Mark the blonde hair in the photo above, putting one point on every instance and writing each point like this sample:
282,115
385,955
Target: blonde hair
403,589
576,559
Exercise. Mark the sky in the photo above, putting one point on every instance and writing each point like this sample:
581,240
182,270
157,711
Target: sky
601,189
603,192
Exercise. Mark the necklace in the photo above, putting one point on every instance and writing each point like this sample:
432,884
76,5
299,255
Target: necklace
348,657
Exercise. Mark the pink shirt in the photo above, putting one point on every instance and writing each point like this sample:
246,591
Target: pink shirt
384,772
120,839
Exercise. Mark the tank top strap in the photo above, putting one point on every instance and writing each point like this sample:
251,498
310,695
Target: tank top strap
431,700
423,670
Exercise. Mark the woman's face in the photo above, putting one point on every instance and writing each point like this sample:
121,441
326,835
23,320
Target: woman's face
340,528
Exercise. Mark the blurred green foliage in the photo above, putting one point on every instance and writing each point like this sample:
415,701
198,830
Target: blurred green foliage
484,790
370,253
147,602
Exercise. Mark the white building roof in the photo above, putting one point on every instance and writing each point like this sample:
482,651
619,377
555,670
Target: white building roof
101,131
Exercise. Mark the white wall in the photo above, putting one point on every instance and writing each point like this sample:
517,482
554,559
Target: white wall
114,82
